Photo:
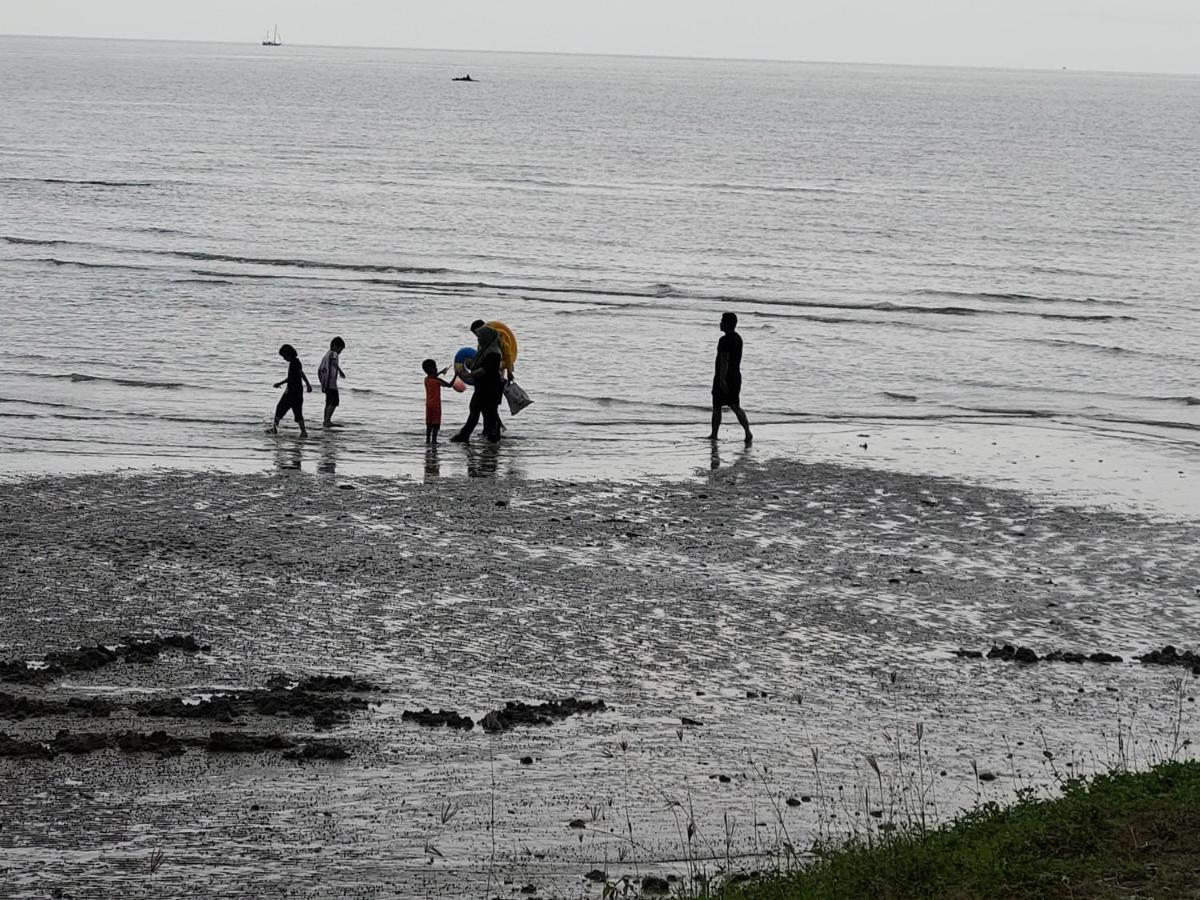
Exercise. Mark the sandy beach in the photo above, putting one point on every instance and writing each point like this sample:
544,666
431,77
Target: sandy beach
757,637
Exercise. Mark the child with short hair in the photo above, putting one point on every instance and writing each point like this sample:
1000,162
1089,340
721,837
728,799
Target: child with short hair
328,373
293,396
433,399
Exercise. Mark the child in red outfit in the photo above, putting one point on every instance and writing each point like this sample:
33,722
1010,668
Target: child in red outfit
433,400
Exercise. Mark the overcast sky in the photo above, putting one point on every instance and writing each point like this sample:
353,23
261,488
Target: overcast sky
1122,35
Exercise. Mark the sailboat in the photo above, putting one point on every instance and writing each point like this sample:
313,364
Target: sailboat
272,41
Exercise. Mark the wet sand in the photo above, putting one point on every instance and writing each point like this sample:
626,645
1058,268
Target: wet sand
776,607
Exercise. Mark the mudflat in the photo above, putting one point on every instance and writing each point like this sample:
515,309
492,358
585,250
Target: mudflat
293,685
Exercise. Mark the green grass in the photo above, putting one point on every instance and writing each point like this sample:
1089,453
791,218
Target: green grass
1117,835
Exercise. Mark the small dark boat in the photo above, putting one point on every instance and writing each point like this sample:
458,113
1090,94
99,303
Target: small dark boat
272,41
463,78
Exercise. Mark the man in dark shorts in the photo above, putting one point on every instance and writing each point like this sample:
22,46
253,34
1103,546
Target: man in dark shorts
727,379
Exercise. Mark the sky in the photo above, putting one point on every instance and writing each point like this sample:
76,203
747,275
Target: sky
1111,35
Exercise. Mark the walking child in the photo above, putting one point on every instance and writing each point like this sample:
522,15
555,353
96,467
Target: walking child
327,374
293,395
433,400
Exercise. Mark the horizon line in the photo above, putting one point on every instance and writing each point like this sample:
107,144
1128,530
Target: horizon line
617,55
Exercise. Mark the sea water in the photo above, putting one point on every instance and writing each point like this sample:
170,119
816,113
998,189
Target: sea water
912,251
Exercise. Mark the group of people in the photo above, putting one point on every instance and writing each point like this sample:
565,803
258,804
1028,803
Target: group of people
328,374
486,371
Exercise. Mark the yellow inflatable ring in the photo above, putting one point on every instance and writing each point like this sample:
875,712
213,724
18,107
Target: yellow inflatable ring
508,345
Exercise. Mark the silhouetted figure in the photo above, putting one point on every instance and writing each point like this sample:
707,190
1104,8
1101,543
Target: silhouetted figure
327,374
433,400
727,379
293,395
488,349
490,384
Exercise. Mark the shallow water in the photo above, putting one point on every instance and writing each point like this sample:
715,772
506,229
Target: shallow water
903,244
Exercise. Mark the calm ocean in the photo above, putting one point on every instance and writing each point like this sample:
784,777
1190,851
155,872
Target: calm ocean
903,245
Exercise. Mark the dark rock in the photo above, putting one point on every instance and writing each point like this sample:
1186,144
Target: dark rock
319,750
1066,656
1009,653
158,742
516,713
1169,656
1104,658
597,876
529,889
66,742
222,709
430,719
792,801
695,722
17,671
14,707
335,683
236,742
577,823
16,749
527,760
969,654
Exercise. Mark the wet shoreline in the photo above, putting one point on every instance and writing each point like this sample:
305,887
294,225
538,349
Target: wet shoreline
731,624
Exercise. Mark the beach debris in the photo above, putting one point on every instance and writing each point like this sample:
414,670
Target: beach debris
577,823
596,875
446,717
516,714
692,722
968,654
1169,656
527,760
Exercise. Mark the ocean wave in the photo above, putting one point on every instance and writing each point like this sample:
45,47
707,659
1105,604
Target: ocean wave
1183,401
38,242
907,398
82,182
299,263
78,377
80,264
1013,297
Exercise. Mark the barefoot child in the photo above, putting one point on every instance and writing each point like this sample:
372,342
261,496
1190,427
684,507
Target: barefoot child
293,396
433,400
328,373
